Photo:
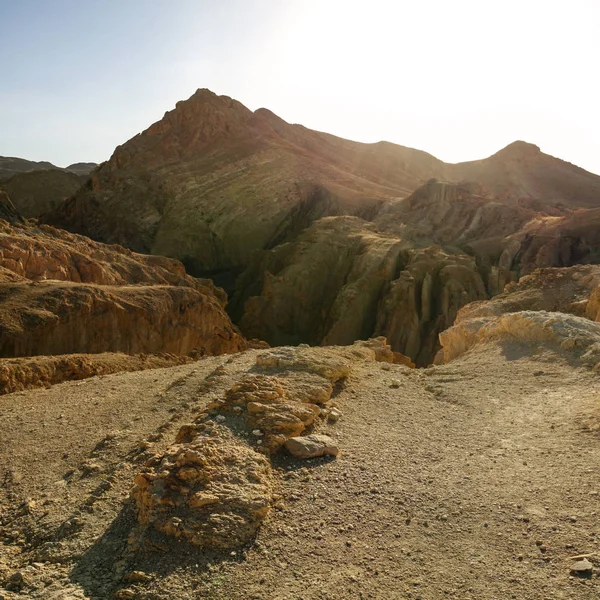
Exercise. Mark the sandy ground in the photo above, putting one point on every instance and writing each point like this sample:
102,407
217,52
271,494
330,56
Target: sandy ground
473,480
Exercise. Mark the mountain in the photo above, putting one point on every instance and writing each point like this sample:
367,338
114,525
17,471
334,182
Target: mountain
9,165
244,198
39,187
81,168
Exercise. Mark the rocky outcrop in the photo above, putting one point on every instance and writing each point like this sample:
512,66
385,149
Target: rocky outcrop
424,300
553,241
342,280
215,485
52,318
61,294
17,374
43,253
576,337
211,491
574,290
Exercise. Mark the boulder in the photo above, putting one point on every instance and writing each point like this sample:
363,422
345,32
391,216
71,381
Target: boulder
312,446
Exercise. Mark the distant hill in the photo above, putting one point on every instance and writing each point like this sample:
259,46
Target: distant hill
36,188
35,193
10,165
82,168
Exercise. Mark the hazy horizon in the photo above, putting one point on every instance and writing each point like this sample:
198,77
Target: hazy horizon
459,81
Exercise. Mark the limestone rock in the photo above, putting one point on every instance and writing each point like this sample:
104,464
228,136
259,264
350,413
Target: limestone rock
574,290
312,446
355,283
271,407
582,567
328,364
18,374
61,293
57,318
212,491
576,336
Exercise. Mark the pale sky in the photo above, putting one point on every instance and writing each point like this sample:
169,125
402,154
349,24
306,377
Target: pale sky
457,78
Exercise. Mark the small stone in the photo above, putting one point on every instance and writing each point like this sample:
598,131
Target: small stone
257,432
125,594
220,418
237,409
137,577
311,446
582,567
334,415
395,383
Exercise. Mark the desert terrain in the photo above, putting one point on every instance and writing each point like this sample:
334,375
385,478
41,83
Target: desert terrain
243,359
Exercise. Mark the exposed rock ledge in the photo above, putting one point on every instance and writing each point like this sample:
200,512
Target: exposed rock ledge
577,337
62,294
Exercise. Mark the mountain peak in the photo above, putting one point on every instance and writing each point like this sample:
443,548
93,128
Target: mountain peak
518,149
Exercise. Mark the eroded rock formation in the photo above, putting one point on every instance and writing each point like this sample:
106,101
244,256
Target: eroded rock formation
17,374
577,337
61,293
278,213
214,485
211,491
343,280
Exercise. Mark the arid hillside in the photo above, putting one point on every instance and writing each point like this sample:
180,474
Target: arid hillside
35,193
322,240
10,165
213,181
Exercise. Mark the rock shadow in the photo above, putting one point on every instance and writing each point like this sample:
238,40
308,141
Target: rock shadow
123,548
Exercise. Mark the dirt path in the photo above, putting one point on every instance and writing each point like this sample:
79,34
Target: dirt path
475,480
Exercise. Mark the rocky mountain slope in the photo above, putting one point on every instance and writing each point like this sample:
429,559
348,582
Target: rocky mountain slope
324,240
213,181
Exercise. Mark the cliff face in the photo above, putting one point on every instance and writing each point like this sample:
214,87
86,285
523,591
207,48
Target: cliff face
48,318
342,281
62,293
